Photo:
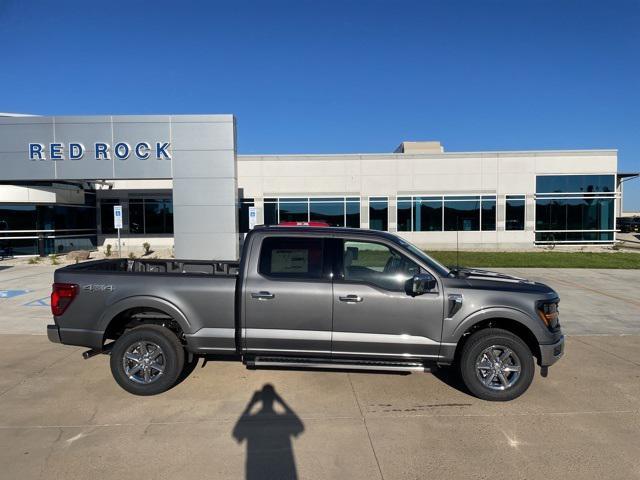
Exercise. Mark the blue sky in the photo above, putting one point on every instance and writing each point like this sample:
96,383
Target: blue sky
344,76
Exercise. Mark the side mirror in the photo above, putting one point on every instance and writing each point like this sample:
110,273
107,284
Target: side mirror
420,283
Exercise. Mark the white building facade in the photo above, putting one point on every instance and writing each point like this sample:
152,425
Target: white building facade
198,192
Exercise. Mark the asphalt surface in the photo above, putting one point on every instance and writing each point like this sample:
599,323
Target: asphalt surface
63,417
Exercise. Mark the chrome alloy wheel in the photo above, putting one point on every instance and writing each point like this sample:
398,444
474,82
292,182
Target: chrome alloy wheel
498,367
144,362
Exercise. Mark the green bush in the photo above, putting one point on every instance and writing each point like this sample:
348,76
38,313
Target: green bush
54,259
107,252
34,260
147,248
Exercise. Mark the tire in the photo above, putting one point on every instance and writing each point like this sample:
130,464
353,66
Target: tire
493,373
148,375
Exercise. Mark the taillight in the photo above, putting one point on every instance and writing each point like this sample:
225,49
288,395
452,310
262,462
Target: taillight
62,296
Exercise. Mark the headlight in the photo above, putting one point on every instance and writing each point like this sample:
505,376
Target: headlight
548,313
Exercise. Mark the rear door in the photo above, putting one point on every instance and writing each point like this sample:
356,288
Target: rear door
372,314
287,296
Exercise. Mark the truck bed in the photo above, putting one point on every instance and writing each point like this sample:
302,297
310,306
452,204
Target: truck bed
169,266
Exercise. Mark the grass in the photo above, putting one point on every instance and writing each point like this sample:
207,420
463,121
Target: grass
544,259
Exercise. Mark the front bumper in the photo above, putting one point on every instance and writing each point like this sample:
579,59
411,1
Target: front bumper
53,333
550,354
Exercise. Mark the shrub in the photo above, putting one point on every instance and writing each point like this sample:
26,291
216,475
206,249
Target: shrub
34,260
147,248
132,255
54,259
107,252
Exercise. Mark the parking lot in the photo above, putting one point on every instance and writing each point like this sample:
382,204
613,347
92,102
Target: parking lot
63,417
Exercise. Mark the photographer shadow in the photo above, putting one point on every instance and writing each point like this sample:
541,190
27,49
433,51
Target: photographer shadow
269,436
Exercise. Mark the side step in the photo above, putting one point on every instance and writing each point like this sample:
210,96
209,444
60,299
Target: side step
342,364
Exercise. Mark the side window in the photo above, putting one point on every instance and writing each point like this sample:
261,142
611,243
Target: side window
376,264
291,257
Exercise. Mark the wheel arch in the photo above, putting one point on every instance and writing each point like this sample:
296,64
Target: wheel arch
117,315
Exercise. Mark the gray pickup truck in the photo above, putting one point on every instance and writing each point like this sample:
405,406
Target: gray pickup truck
309,297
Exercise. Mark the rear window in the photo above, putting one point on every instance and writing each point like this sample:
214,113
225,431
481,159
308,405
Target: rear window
291,257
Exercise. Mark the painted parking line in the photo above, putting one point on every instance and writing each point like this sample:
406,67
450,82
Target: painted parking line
40,302
12,293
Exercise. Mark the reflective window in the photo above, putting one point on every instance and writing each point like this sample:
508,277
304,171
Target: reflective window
106,215
462,213
335,211
291,257
575,183
329,210
575,214
352,212
270,211
293,210
150,216
18,217
404,214
514,212
427,214
376,264
488,213
379,213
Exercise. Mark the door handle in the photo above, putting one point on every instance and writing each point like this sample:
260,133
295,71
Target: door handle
263,295
351,299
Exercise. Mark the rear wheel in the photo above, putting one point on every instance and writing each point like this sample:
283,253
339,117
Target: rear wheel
147,360
496,365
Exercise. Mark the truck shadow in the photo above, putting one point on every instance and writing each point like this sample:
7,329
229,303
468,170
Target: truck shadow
451,377
268,435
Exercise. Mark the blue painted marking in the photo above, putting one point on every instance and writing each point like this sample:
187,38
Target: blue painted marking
40,302
12,293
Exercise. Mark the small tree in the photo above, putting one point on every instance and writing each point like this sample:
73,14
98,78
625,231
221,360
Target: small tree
147,248
107,252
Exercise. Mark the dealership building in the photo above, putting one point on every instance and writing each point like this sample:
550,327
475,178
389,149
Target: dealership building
181,182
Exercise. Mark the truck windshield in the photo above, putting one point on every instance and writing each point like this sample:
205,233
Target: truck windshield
437,266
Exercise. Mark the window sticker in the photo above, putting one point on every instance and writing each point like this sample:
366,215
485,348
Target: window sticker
290,261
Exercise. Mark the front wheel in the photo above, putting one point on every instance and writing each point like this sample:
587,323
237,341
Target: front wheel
147,360
496,365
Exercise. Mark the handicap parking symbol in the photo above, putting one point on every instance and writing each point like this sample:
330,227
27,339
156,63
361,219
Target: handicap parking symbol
40,302
12,293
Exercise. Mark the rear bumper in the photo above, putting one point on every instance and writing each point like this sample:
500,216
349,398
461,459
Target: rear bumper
53,333
550,354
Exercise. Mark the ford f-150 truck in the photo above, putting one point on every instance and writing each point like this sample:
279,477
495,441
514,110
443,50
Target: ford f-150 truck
309,297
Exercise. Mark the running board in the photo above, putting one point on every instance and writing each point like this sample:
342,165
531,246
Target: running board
289,362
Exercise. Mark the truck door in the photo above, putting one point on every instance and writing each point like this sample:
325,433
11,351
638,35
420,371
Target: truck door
287,297
372,313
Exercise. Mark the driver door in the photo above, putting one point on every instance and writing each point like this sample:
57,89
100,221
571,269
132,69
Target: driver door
373,316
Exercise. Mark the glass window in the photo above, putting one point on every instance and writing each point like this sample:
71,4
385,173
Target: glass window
136,216
575,183
106,215
18,217
10,248
243,214
376,264
352,212
270,211
462,213
427,214
290,257
575,214
329,210
404,214
488,213
293,210
158,216
379,213
514,212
